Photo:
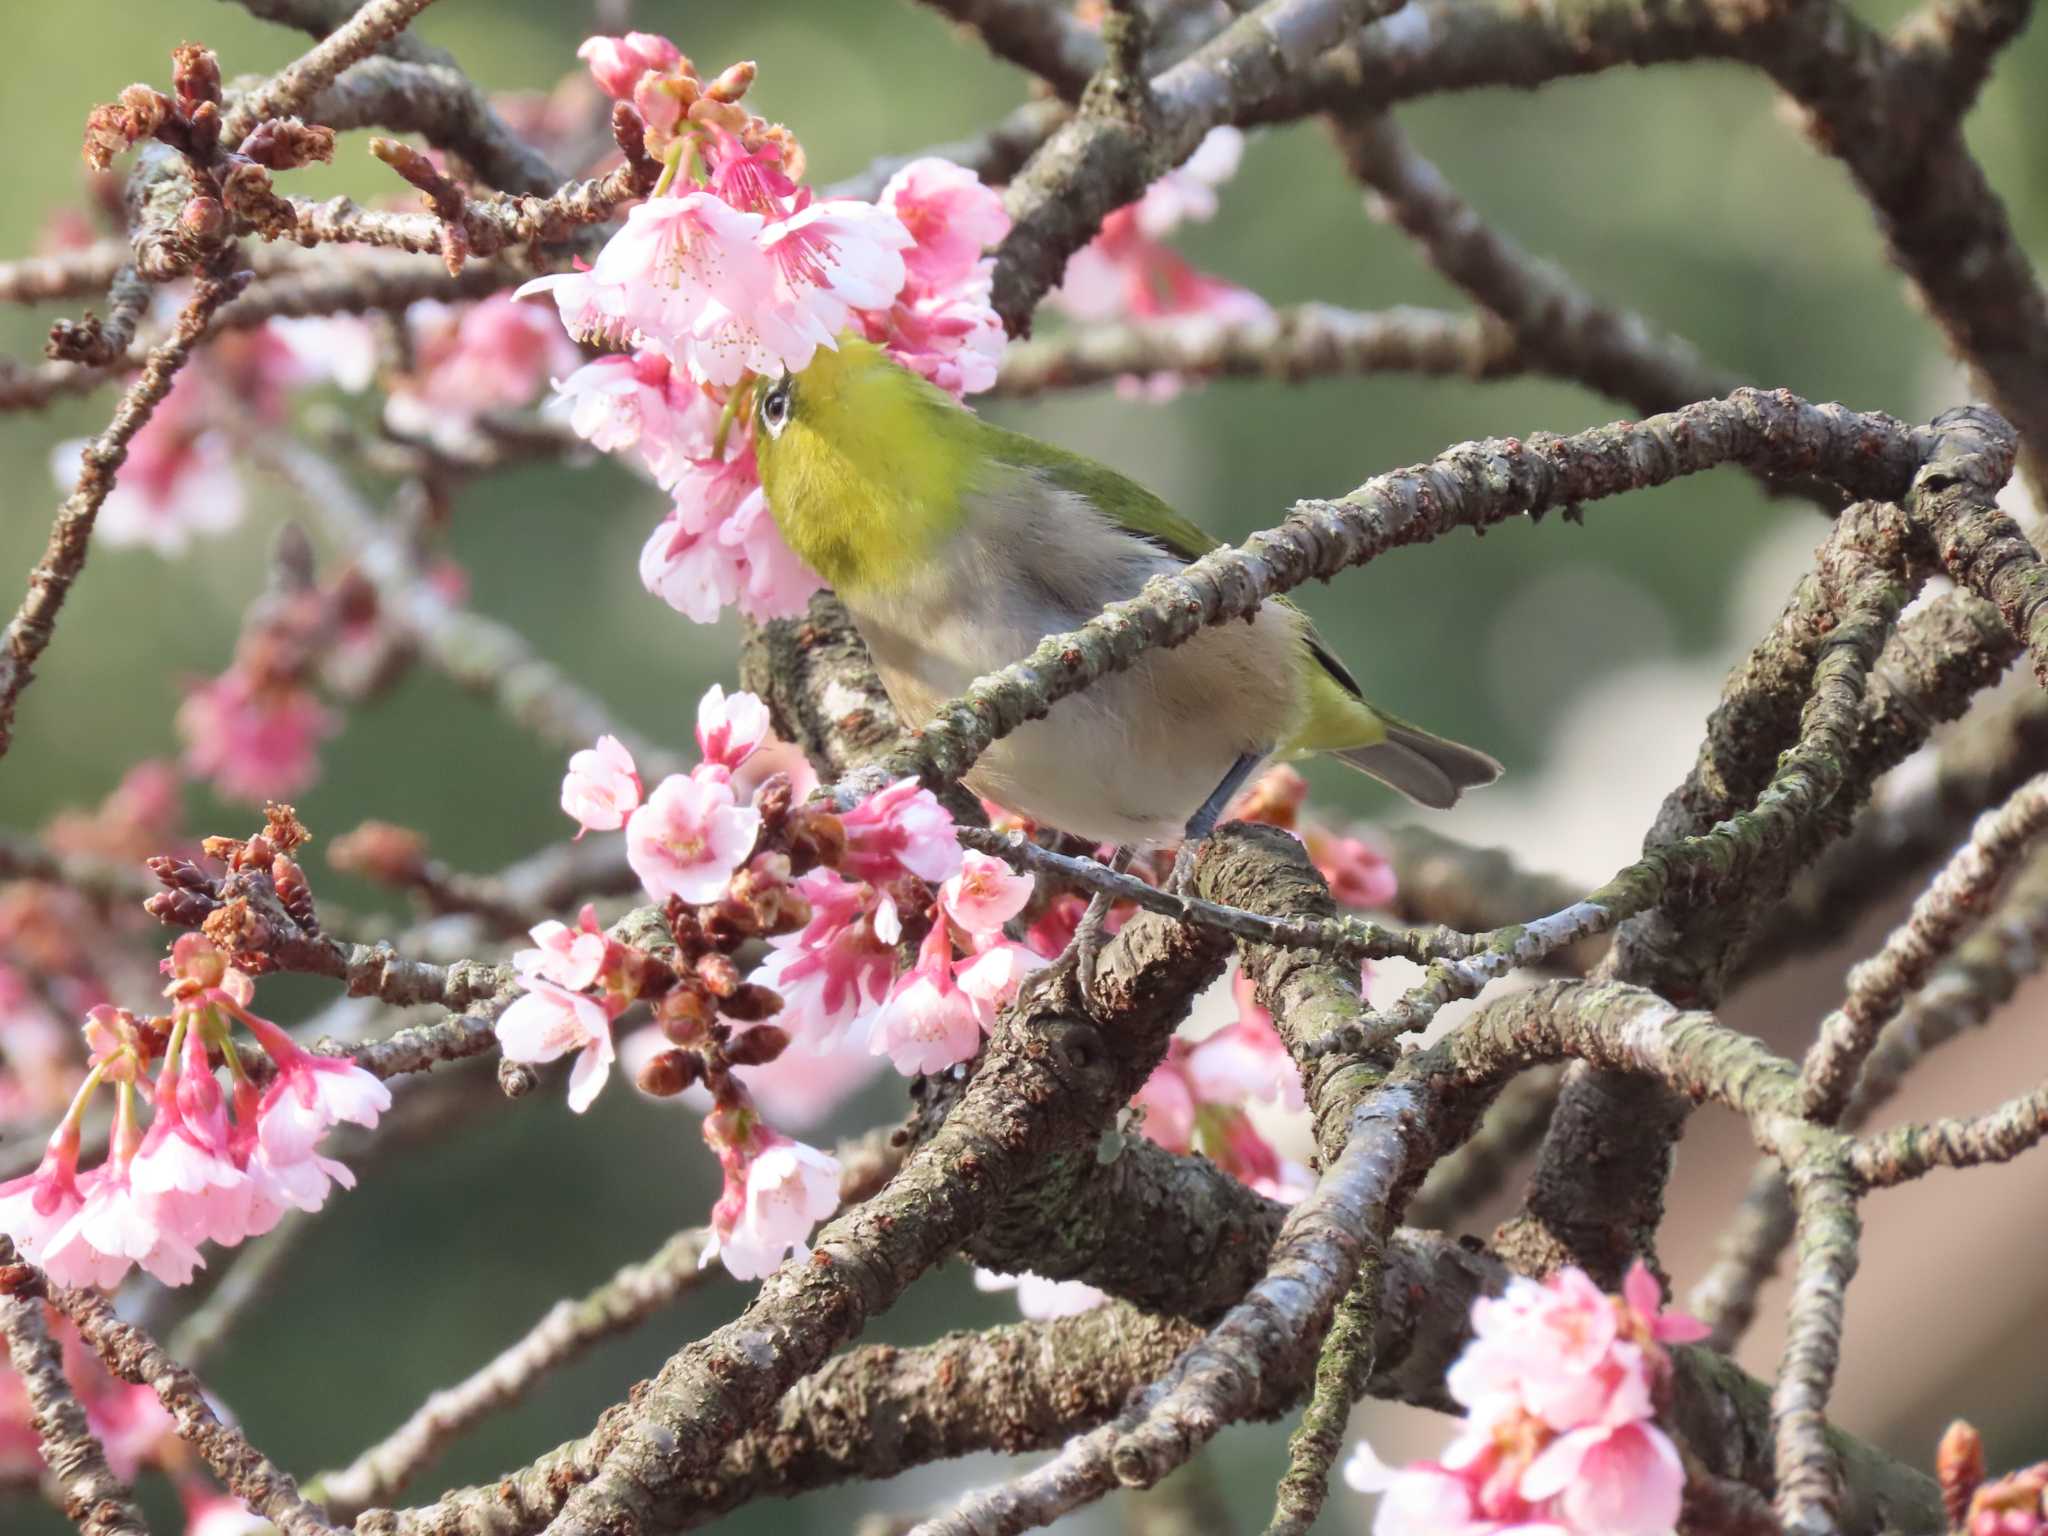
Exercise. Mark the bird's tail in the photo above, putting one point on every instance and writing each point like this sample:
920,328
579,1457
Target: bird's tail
1427,769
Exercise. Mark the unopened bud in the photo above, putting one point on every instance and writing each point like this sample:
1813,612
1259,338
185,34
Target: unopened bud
195,74
203,218
773,800
719,974
1959,1468
181,874
516,1079
294,893
285,143
202,129
751,1002
381,851
669,1073
180,909
733,81
684,1012
758,1046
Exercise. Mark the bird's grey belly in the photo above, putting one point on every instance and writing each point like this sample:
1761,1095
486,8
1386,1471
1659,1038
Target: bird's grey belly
1129,759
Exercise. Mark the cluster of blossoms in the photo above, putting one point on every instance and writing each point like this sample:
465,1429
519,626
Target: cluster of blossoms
209,1164
839,900
734,271
1561,1385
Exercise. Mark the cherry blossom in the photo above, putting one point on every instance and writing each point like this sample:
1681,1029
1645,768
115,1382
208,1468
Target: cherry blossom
177,483
898,830
252,737
1040,1299
1561,1384
493,355
839,965
568,957
730,726
992,978
790,1188
928,1023
602,787
951,218
617,63
690,836
984,894
642,402
549,1022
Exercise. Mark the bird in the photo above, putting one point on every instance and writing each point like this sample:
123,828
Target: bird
957,545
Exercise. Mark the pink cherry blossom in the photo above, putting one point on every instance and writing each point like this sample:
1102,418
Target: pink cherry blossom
1429,1497
985,894
186,1166
790,1189
803,1086
568,957
900,829
1040,1299
617,63
928,1023
1245,1059
831,258
549,1022
1188,191
690,836
253,739
950,216
954,338
216,1514
341,349
495,354
719,546
177,483
837,967
730,726
774,583
311,1094
1167,1101
1619,1480
1358,872
602,787
992,978
642,402
775,756
114,1229
687,566
35,1206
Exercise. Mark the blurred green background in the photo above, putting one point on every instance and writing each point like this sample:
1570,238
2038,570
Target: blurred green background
1687,193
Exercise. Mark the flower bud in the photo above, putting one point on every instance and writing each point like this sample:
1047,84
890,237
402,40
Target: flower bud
719,974
179,909
685,1012
380,851
751,1002
181,874
1959,1468
733,81
285,144
758,1046
195,74
669,1073
203,219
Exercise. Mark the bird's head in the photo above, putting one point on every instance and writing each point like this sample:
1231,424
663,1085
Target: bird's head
864,461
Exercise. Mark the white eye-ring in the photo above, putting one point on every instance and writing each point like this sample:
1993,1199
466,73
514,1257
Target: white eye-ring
775,408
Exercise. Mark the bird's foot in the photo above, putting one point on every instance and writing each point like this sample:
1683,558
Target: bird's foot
1182,881
1090,935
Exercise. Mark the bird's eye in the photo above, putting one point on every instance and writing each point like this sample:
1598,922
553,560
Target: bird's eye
775,409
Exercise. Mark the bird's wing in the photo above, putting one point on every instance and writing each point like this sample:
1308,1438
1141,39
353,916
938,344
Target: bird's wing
1140,512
